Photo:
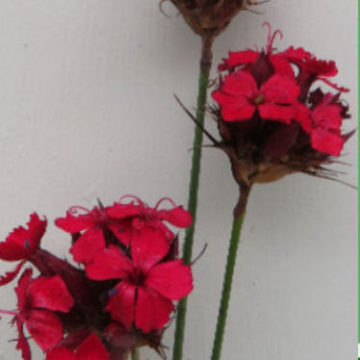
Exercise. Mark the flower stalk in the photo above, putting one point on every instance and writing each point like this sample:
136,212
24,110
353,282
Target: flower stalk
239,216
205,67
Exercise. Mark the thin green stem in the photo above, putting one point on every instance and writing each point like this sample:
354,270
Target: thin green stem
239,216
205,66
135,354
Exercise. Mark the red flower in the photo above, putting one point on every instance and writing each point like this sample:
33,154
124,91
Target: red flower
239,97
148,285
90,349
323,124
37,301
22,244
137,214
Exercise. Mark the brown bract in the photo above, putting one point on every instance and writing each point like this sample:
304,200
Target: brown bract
209,17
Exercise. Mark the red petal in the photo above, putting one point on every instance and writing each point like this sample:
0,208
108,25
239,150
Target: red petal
148,247
321,67
22,343
122,211
88,245
92,349
240,84
111,263
60,353
241,58
327,142
178,217
73,224
282,66
50,293
280,113
122,230
295,54
328,116
152,310
280,89
235,96
22,287
21,243
122,304
11,275
45,328
172,279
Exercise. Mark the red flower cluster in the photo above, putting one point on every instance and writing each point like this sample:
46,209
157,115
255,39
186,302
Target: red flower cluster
265,86
124,294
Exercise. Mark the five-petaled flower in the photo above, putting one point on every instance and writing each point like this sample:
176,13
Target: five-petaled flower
239,97
38,301
144,295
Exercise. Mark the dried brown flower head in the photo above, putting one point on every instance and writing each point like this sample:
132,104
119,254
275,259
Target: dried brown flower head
210,17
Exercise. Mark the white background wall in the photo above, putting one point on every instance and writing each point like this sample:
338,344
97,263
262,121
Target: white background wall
86,111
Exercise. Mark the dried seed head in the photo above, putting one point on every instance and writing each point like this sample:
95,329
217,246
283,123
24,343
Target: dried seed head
209,17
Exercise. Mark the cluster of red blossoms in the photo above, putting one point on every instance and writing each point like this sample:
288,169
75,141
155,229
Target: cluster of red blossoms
121,296
269,112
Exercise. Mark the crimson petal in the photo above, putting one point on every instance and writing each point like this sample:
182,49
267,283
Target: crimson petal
88,245
111,263
178,217
45,327
148,247
50,293
22,343
60,353
73,224
152,310
171,279
92,349
122,303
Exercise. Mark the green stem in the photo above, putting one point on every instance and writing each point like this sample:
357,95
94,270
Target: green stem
239,215
135,354
205,66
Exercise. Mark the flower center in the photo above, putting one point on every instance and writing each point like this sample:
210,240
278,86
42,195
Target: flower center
259,99
138,277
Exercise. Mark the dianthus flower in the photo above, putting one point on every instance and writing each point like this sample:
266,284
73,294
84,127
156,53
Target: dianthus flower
66,305
38,300
270,119
144,295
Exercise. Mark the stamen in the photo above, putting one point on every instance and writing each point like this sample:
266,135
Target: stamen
133,197
76,209
271,37
163,200
268,44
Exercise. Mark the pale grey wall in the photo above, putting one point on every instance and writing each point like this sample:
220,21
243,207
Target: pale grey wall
86,111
